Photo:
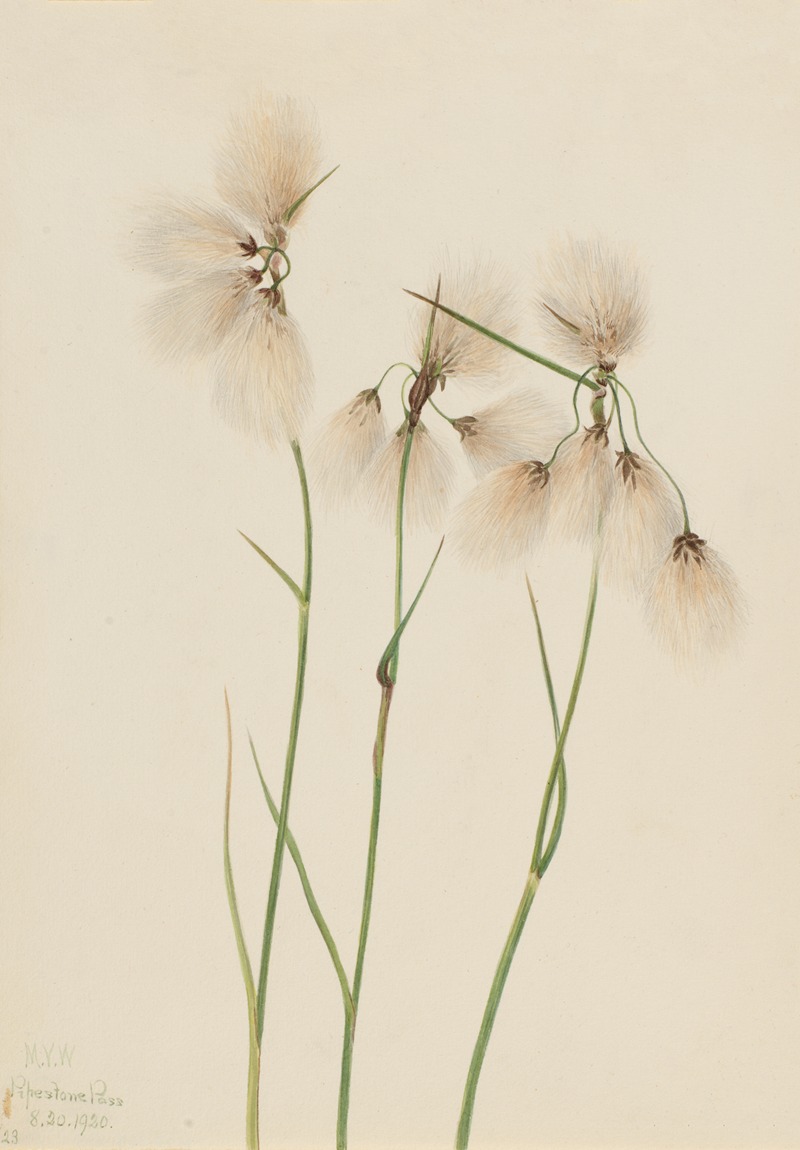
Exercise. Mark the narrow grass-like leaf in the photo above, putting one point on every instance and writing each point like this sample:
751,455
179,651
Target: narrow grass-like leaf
288,580
291,211
313,905
524,351
254,1062
558,823
388,654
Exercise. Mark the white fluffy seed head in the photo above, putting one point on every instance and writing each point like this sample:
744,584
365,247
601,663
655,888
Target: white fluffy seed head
192,318
582,479
263,378
592,303
479,291
269,160
522,425
345,447
429,481
502,521
175,238
694,605
642,520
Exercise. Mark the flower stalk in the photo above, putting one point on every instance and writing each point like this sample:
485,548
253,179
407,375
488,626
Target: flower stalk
387,674
420,393
303,609
540,860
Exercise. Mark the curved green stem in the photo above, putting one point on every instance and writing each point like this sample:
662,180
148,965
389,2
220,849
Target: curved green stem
291,752
399,363
403,385
532,881
277,283
577,426
618,410
254,1058
439,411
658,463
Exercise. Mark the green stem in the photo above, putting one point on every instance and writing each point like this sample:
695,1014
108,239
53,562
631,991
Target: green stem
305,882
439,411
389,677
577,426
399,363
658,463
490,1012
398,551
254,1059
280,838
618,410
531,886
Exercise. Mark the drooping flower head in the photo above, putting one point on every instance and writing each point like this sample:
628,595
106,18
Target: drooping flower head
582,476
592,303
643,517
224,269
504,518
345,446
354,452
694,606
519,426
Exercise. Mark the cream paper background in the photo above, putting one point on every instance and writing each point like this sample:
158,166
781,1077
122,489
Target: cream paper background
654,999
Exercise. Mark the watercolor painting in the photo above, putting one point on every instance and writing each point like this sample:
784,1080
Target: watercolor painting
380,533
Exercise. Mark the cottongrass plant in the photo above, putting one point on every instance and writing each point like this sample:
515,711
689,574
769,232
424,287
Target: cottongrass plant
222,305
625,505
405,477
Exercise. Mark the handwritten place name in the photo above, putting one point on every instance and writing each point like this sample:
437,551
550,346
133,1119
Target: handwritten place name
95,1093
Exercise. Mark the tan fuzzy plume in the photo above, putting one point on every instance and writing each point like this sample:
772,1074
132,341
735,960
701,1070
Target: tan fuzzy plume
502,521
522,425
480,291
263,378
582,479
190,319
592,304
270,159
694,605
175,237
345,447
642,519
429,482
